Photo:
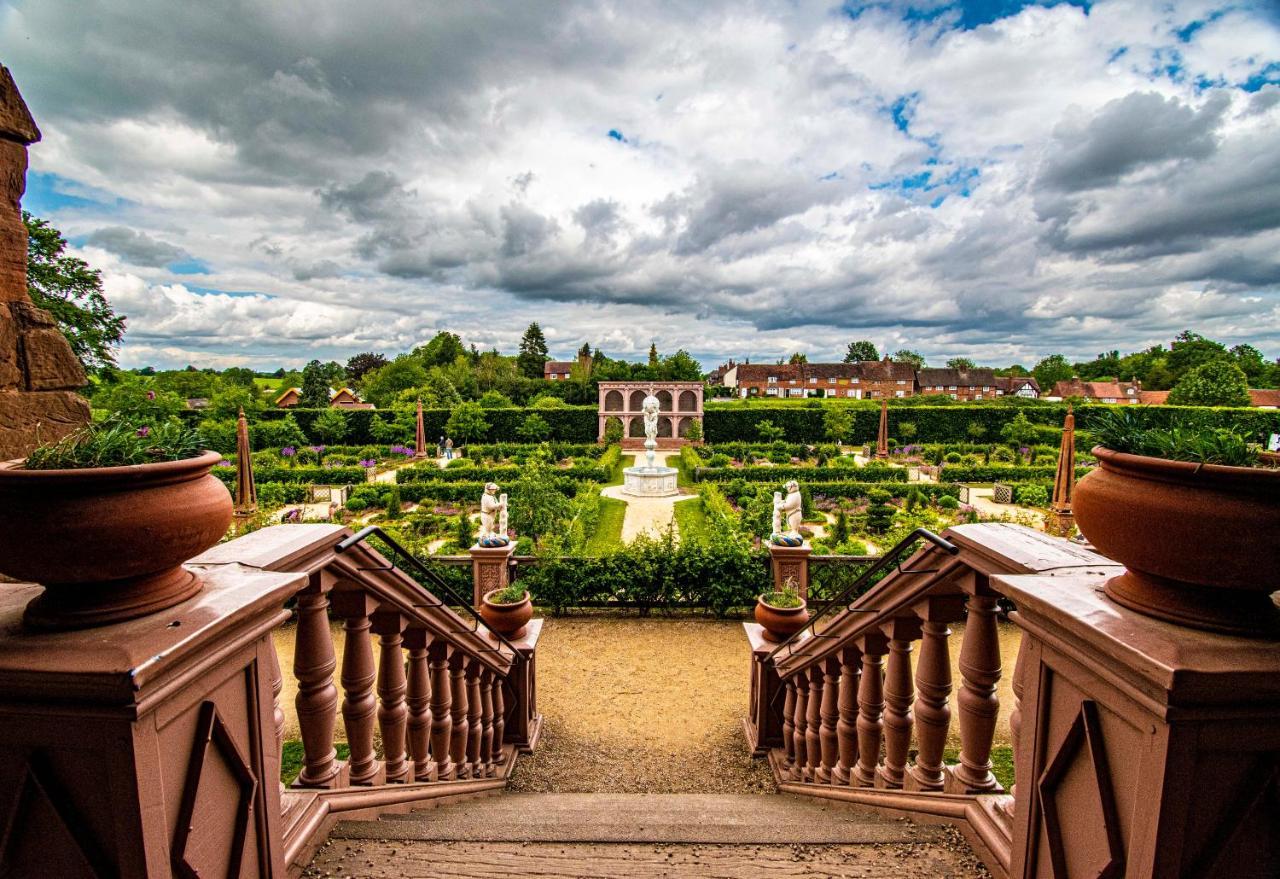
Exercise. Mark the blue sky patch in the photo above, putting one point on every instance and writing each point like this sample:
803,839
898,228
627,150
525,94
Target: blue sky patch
1269,75
48,193
189,267
963,14
617,135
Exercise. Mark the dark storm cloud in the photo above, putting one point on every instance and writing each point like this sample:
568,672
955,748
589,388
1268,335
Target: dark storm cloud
136,247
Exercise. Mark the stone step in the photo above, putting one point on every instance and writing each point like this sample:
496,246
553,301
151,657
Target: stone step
643,818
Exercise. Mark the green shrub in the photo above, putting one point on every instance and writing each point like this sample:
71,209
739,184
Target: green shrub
394,503
948,503
1031,495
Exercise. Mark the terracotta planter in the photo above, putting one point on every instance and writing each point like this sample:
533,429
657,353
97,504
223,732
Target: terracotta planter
1198,541
780,623
108,543
508,620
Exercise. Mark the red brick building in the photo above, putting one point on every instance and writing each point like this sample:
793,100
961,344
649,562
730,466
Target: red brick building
1101,392
960,384
862,380
559,370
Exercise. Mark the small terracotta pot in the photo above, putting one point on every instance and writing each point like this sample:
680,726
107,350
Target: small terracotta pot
1198,540
108,543
508,620
780,623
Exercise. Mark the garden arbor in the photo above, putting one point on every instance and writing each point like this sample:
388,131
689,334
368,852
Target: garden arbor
679,405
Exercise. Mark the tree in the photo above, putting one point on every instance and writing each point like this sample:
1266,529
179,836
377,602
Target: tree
71,292
1019,432
906,355
239,375
534,429
1190,350
961,363
694,433
769,432
1255,366
467,422
315,386
533,352
364,363
537,504
228,400
1214,383
681,367
837,423
382,385
1050,371
798,357
585,351
861,350
494,400
653,355
443,349
331,426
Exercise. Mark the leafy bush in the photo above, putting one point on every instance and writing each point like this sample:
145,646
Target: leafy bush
1122,430
300,475
769,432
948,503
1031,495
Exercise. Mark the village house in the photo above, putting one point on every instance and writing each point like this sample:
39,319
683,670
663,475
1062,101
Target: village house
861,380
1017,386
339,398
559,370
1101,392
979,383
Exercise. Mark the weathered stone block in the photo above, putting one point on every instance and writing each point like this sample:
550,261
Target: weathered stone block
11,376
29,418
13,232
15,119
49,362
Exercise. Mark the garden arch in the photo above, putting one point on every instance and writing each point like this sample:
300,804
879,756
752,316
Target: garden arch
680,403
613,401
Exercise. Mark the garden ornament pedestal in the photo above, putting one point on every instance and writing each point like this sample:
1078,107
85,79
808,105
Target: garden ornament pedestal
149,747
791,562
1147,749
490,569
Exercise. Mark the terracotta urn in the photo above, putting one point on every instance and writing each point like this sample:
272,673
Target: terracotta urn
507,619
780,623
1198,541
108,543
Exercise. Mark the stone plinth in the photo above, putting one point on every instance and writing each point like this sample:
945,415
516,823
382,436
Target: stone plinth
1146,749
650,481
763,723
490,569
791,562
146,748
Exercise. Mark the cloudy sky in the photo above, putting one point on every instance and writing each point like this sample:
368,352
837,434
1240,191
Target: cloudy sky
264,182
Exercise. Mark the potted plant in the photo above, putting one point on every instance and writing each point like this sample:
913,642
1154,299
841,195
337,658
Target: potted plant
507,611
1192,516
105,518
782,613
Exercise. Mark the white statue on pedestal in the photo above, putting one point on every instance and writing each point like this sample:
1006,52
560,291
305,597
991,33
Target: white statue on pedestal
493,518
790,507
650,408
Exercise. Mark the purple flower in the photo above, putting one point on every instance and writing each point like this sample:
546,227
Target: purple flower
224,463
368,462
319,450
151,395
288,452
1024,451
144,431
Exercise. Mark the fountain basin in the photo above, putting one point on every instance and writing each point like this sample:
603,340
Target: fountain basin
649,481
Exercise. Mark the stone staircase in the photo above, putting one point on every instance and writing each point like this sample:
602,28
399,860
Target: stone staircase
642,835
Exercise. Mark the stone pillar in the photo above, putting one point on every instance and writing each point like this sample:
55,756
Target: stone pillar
145,748
764,721
1145,749
489,569
791,562
39,374
525,725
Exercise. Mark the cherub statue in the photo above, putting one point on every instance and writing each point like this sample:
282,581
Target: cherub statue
493,518
789,507
650,408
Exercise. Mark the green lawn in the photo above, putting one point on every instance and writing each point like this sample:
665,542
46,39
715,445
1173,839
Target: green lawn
291,759
623,462
1001,763
691,520
608,536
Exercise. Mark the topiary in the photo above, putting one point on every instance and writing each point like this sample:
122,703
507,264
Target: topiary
947,502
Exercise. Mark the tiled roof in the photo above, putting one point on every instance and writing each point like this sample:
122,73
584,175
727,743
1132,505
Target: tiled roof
1153,398
1011,383
863,370
979,377
1265,397
557,366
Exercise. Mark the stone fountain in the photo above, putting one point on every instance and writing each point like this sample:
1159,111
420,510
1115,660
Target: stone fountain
650,480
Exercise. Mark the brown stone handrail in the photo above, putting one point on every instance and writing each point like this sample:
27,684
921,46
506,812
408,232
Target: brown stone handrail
860,722
449,705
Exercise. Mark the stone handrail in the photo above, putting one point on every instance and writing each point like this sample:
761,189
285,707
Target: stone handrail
450,706
859,721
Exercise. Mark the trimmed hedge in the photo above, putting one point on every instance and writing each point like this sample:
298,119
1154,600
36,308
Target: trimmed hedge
461,492
804,475
572,424
1005,473
559,450
431,473
296,475
859,490
935,424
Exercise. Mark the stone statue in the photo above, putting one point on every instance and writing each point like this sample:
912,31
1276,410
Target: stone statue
493,518
650,408
789,507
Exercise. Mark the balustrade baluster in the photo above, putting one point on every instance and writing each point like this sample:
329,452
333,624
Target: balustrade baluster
497,755
870,711
830,716
418,701
800,769
475,719
486,722
789,724
813,725
358,704
898,692
317,700
932,709
461,707
441,710
277,711
393,714
977,702
1022,667
846,730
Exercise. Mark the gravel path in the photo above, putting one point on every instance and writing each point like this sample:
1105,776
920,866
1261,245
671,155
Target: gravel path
642,705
